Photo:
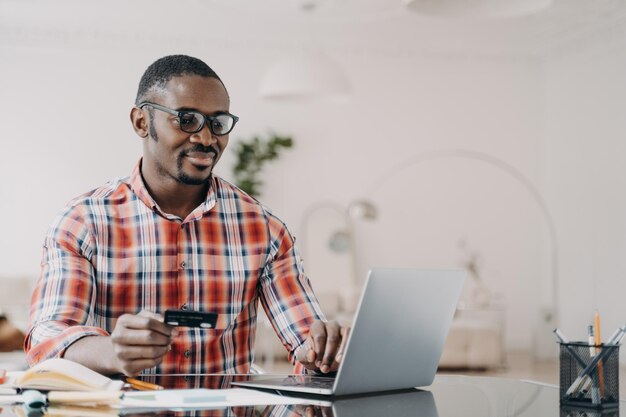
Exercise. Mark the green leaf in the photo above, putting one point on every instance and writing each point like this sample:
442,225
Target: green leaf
252,155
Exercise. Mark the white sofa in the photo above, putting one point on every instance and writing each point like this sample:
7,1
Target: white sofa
475,340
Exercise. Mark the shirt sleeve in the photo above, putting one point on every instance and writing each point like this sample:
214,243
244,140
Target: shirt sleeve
286,293
62,302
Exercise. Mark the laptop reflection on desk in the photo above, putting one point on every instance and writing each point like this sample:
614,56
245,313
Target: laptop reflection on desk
416,403
406,403
397,337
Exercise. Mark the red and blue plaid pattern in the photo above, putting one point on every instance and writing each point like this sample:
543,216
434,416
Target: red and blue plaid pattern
113,251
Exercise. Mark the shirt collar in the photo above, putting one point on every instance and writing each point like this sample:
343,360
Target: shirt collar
138,186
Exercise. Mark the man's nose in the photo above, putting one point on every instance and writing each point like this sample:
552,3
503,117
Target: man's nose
204,136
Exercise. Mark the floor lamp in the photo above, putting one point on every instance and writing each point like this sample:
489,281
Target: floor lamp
549,314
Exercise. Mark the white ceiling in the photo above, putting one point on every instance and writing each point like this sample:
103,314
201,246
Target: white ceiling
378,26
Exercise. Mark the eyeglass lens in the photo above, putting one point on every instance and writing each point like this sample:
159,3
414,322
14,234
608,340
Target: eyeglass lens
192,122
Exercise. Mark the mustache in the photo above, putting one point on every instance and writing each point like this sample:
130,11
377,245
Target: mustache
201,149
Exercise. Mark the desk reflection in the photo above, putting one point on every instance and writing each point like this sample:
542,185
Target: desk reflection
413,403
449,396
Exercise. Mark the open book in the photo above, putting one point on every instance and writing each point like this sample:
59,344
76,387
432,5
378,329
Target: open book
63,375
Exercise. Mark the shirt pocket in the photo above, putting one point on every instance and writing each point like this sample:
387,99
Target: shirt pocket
231,295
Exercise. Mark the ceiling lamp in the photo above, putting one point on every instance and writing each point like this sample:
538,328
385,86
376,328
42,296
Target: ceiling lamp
477,8
305,75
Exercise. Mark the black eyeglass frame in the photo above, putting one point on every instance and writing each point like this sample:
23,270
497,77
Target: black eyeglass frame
205,118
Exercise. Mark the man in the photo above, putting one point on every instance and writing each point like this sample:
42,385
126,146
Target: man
174,236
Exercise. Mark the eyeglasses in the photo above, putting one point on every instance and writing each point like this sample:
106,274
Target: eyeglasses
192,121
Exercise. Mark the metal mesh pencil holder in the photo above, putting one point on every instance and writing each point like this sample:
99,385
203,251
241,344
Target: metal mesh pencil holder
567,411
589,375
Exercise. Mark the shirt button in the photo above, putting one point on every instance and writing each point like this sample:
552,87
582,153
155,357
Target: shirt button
183,264
186,378
187,354
183,307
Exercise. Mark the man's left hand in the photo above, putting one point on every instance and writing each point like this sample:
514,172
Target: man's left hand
323,349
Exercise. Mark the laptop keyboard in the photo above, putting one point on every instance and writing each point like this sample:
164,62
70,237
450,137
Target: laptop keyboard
309,381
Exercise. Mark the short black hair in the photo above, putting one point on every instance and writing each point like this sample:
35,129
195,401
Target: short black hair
163,69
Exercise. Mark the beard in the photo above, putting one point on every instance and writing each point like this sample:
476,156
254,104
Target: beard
189,180
185,178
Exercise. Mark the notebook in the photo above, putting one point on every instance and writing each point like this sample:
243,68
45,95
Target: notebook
399,329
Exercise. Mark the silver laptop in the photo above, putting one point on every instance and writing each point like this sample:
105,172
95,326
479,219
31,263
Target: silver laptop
397,337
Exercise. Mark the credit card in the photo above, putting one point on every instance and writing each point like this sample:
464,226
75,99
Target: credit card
188,318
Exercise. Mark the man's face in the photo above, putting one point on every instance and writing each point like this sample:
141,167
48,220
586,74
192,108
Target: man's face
169,152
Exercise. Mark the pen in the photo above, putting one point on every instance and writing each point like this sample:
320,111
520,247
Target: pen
592,341
584,389
586,381
564,341
595,392
142,385
616,339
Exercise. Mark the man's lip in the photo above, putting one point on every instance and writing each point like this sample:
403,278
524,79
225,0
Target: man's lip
201,158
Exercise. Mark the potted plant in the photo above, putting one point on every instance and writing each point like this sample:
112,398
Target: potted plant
252,155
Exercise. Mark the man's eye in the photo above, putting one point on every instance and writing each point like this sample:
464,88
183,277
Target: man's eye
186,119
218,126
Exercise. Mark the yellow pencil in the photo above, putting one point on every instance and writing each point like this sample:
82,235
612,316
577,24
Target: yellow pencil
596,320
143,385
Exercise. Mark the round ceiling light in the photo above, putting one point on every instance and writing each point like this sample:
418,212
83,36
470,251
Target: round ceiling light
477,8
305,75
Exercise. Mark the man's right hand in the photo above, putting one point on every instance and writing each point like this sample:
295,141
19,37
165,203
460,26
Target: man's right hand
140,341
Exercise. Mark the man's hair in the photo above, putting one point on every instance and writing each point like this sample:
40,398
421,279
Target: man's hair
162,70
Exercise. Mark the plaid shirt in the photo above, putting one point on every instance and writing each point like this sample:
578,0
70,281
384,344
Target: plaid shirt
113,251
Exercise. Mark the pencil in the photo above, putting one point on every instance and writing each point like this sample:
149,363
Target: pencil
142,385
598,343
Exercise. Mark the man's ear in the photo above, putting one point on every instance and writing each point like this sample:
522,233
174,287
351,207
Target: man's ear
139,122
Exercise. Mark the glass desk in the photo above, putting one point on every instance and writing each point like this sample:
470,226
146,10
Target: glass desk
449,396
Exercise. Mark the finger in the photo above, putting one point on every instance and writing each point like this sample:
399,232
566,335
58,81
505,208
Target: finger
311,411
173,331
298,410
267,411
145,320
345,333
153,321
310,351
151,314
133,368
317,334
333,340
302,351
140,352
133,337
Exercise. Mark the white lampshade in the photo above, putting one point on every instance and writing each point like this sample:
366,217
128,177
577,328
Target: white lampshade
477,8
305,75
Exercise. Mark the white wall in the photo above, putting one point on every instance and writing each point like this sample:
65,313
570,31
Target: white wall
586,177
492,107
524,112
65,130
